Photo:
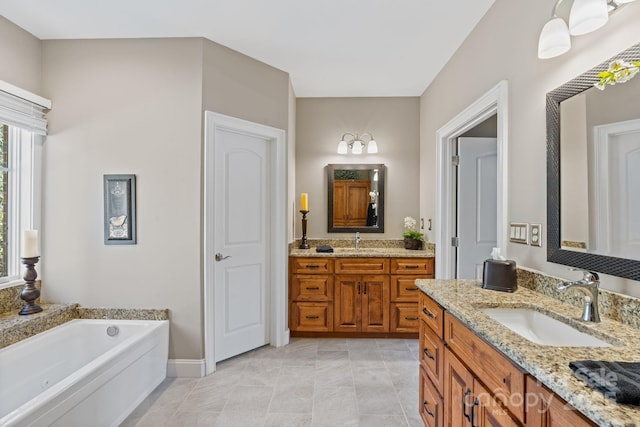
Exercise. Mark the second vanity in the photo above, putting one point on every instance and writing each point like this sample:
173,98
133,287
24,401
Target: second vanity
476,371
365,292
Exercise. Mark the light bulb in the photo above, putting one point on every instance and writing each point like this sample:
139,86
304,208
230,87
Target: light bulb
357,147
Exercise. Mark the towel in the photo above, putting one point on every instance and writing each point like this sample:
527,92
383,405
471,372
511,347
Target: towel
619,381
324,248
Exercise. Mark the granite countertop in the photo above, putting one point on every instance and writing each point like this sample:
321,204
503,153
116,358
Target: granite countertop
364,252
550,365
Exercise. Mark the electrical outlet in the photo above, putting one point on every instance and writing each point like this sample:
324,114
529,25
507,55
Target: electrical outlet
519,232
535,234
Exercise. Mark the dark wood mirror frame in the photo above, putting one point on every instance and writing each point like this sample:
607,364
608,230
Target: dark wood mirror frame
621,267
379,228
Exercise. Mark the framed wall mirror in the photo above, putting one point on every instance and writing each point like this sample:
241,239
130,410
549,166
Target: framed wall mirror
355,198
593,173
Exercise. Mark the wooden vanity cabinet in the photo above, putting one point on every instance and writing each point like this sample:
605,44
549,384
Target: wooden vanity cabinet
468,395
356,295
546,409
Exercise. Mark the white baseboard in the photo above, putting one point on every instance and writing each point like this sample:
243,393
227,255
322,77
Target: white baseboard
186,368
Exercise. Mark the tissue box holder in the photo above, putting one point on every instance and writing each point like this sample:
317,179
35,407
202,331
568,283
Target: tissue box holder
499,275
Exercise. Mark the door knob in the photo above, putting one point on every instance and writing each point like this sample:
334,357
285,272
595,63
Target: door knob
219,257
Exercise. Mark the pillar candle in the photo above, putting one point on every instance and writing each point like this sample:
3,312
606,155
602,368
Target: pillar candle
304,202
29,244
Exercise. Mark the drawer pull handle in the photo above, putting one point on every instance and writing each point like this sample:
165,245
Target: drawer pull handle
312,267
426,409
473,405
358,288
412,267
410,318
364,288
464,405
429,355
428,313
312,288
312,317
411,289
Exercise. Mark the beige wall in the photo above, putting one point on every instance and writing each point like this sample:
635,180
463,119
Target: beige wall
136,106
125,106
21,54
504,47
394,122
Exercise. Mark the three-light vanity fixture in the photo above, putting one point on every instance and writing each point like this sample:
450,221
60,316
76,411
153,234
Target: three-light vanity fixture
585,16
356,143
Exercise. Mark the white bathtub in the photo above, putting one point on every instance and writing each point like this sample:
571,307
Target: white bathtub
77,375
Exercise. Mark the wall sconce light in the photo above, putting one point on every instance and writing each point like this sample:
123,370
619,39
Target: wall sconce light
585,16
356,144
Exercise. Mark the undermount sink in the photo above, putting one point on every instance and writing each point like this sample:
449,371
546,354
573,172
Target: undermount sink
542,329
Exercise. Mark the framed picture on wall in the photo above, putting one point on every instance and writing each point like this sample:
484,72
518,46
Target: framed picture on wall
119,209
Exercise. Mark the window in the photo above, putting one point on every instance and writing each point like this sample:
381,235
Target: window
22,130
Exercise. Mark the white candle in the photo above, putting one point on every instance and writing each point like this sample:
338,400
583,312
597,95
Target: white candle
29,244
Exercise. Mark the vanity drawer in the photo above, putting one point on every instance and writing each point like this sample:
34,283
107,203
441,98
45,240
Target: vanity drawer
422,266
432,314
310,287
502,378
431,404
432,355
311,265
362,266
311,317
404,289
404,317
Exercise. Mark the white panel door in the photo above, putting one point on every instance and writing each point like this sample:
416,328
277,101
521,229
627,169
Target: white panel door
624,169
477,204
240,229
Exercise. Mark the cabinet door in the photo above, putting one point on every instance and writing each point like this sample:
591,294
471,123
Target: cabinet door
487,412
339,204
375,304
347,304
458,392
546,409
358,203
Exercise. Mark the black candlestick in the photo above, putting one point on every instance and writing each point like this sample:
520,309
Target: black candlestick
30,293
304,244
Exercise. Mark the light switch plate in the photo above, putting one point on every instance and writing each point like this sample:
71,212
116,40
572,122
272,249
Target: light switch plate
519,232
535,234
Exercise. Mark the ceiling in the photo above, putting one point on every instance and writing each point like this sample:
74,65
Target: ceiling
330,48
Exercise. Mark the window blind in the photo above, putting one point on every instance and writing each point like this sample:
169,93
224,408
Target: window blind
22,113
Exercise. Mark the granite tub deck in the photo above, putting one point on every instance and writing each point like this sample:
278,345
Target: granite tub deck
550,365
14,327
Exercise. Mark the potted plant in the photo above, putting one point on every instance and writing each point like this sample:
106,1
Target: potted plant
413,239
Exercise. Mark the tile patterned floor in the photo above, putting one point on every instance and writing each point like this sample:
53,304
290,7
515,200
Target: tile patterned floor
311,382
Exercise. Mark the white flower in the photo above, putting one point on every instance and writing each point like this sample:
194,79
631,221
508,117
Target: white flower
410,223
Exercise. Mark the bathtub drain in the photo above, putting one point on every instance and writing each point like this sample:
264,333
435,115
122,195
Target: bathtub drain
112,330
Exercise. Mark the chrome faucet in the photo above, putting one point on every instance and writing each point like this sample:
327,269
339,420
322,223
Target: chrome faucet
589,286
357,241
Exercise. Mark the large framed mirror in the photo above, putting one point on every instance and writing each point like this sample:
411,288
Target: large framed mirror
593,173
355,198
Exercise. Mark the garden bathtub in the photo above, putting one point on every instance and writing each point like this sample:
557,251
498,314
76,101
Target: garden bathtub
82,373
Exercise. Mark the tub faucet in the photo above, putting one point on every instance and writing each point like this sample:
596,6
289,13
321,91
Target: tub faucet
589,286
357,241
